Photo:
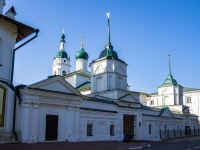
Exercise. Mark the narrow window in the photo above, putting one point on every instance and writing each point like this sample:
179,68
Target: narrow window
112,130
64,73
89,129
150,129
152,102
2,105
165,128
188,100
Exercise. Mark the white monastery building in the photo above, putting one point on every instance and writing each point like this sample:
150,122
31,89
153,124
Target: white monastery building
86,105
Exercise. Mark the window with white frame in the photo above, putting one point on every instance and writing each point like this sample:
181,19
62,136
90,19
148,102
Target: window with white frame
152,102
89,129
188,99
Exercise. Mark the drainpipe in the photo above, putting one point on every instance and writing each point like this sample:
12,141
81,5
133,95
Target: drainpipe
13,58
16,88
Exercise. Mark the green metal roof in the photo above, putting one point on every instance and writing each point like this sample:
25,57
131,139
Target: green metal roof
169,81
81,72
149,108
84,86
185,89
99,100
109,53
156,93
61,54
82,54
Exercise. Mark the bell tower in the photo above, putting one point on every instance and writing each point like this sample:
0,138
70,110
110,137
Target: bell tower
170,92
61,63
108,72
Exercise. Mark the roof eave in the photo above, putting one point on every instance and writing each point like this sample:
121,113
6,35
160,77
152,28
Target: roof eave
23,30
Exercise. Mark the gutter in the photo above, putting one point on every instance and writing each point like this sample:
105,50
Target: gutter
16,88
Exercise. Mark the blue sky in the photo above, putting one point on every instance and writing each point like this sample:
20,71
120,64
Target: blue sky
143,32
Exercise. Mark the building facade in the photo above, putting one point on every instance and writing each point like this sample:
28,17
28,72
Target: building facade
8,26
171,94
82,105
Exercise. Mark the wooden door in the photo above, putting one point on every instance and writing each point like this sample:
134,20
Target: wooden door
129,126
51,127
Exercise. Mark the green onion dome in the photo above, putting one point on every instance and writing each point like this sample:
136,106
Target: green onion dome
81,54
61,54
109,52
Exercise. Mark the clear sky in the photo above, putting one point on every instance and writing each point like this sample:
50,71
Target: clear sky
143,32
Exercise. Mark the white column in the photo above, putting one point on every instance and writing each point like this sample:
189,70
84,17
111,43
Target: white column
138,127
70,124
120,127
24,122
35,121
76,121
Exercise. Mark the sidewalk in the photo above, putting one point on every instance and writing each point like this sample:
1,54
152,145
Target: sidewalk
103,145
186,138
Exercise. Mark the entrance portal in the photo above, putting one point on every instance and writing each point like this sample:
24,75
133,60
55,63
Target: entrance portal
51,127
129,126
187,130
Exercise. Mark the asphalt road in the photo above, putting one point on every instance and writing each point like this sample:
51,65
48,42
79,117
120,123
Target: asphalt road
178,144
185,143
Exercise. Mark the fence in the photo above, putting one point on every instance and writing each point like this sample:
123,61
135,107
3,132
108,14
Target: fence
167,134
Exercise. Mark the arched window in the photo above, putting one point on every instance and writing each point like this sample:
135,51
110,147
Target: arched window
110,82
120,82
1,51
99,84
64,73
2,105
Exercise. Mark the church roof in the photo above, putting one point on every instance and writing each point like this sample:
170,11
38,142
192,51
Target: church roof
84,86
61,54
22,29
99,100
186,89
80,72
108,52
82,54
169,81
